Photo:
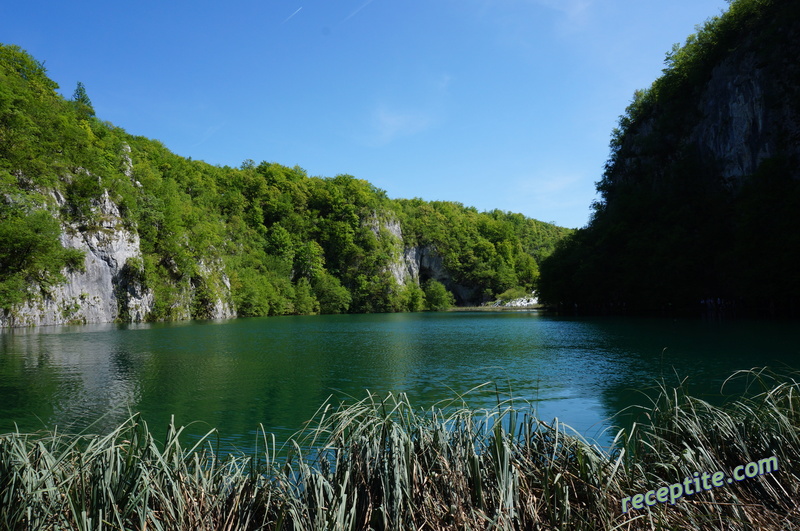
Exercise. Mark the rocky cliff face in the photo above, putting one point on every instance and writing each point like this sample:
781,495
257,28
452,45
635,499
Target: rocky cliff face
110,287
740,112
748,116
701,194
419,263
103,290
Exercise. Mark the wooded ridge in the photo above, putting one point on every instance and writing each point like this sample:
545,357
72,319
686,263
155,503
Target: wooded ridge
700,200
97,225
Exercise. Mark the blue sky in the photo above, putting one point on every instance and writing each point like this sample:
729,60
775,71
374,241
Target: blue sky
503,104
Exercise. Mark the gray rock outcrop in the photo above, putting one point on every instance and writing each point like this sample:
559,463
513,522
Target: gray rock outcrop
419,263
747,118
110,288
104,289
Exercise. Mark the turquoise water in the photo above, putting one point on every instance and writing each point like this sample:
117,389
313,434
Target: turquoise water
238,374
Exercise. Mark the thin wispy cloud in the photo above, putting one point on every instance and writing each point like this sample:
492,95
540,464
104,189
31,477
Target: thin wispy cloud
390,124
443,84
548,195
293,14
516,16
354,13
209,132
576,11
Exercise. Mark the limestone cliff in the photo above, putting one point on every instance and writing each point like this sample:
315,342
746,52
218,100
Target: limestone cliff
418,263
731,105
109,288
700,198
749,113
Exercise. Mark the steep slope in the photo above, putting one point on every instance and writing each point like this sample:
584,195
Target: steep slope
700,199
97,225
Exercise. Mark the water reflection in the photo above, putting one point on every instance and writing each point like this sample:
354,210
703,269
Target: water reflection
235,375
72,377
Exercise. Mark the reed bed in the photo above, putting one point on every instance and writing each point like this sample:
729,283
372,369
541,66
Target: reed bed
381,464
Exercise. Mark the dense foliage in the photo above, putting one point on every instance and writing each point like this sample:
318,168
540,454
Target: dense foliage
490,251
671,229
284,242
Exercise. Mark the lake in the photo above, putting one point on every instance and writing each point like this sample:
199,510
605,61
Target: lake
236,374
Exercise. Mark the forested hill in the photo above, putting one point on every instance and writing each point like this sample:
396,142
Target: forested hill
700,199
98,225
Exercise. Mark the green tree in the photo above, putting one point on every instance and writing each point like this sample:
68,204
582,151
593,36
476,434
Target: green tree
82,103
304,301
252,293
413,298
670,228
332,296
310,260
31,255
437,298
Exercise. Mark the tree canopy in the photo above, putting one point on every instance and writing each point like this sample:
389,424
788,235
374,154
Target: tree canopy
276,239
671,227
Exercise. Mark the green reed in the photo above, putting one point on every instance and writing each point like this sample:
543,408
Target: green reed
380,463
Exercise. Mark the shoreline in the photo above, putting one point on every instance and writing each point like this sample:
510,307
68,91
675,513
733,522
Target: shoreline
533,307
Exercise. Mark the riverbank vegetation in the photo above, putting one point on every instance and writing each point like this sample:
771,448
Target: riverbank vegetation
382,464
263,238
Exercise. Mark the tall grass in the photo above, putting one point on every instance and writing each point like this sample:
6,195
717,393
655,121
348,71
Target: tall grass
382,464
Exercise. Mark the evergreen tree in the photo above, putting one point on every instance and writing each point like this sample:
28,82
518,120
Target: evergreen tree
82,103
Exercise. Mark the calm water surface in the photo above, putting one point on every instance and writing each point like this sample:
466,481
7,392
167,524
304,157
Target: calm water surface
234,375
